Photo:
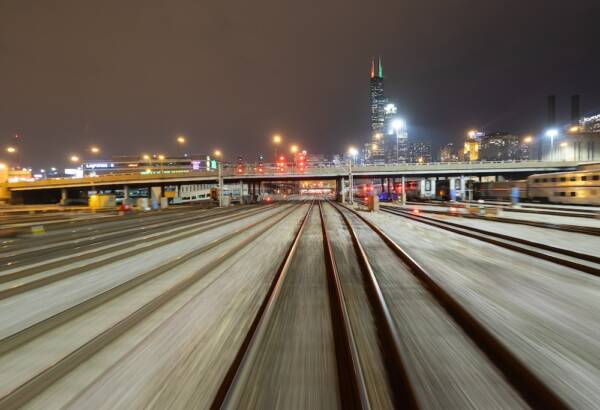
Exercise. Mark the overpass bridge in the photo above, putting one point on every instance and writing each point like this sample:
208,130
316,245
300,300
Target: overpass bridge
28,191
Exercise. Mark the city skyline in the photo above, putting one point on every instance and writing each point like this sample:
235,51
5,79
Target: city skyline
155,74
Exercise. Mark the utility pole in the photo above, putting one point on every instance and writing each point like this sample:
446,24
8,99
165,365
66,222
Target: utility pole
220,178
351,182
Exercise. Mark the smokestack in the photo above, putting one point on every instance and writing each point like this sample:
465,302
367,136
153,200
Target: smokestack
551,110
575,115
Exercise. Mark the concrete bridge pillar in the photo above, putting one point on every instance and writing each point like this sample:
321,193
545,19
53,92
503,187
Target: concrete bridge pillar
403,191
64,196
463,183
155,195
126,194
241,192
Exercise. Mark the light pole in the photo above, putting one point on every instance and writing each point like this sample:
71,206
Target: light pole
294,150
181,140
553,132
218,154
161,158
14,151
277,140
352,151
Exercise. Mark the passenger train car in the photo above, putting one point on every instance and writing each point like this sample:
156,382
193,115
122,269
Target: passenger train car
577,187
190,193
573,187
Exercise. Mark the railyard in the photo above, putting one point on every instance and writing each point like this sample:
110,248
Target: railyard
301,304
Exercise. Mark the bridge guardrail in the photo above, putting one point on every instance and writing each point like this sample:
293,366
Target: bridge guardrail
323,169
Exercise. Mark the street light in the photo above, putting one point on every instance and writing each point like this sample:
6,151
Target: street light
181,139
161,158
11,150
146,157
528,139
94,149
552,132
353,152
398,124
294,149
74,158
277,139
218,154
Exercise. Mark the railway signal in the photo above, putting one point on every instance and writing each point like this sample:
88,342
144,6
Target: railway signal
281,163
239,168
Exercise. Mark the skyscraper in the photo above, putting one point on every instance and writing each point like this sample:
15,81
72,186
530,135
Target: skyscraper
419,152
378,103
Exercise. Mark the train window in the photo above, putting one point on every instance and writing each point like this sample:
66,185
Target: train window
553,179
573,178
595,177
545,180
563,179
537,180
563,193
573,193
584,178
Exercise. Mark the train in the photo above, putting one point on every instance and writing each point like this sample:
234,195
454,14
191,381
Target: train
579,187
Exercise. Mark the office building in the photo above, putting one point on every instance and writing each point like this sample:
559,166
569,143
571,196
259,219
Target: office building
419,153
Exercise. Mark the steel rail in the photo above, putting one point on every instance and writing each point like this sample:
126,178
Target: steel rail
265,311
100,236
15,340
35,385
525,208
353,389
586,230
391,345
25,286
531,388
487,236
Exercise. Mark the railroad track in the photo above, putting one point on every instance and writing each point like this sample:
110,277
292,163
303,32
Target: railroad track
26,388
523,380
35,248
350,383
587,230
539,250
8,286
576,213
82,220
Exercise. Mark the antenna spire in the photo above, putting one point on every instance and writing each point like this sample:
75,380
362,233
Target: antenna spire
373,68
380,68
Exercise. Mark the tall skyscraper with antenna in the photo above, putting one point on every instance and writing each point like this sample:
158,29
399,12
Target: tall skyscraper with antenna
378,103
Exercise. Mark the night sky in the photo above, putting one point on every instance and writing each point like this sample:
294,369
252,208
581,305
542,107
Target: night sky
130,76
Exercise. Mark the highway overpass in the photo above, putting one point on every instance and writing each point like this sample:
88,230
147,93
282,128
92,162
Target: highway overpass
230,174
